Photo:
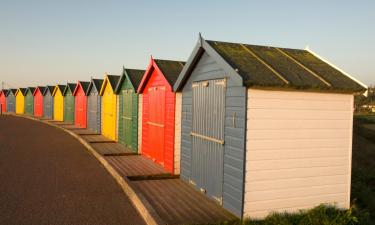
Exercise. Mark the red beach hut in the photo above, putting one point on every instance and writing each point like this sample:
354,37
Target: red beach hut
158,113
38,101
3,100
80,107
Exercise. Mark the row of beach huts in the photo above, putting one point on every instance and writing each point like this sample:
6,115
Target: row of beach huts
255,128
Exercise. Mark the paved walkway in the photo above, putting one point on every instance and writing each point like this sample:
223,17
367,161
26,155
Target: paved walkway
47,177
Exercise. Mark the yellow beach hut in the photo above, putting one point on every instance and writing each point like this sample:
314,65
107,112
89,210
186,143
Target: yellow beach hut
58,102
109,106
20,100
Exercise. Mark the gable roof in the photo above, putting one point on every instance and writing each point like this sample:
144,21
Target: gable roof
48,88
30,89
112,80
272,67
170,69
133,75
96,83
22,90
83,84
13,91
4,92
41,88
69,86
59,87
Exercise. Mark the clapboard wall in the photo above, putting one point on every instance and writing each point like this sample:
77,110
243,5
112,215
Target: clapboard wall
298,150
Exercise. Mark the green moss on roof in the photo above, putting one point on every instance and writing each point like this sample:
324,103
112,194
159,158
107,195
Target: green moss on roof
170,69
329,73
135,76
263,66
85,85
113,79
98,83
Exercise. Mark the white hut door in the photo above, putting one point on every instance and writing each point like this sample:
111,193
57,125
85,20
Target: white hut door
208,136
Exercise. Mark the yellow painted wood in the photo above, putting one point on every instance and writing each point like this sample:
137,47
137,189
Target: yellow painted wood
20,102
109,114
58,105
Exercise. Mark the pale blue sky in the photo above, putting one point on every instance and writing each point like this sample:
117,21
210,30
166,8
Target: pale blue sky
49,42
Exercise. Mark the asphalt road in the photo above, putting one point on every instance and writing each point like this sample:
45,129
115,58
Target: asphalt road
47,177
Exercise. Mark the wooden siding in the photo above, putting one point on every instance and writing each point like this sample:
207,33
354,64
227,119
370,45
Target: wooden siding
69,107
177,135
126,85
58,106
298,151
108,112
48,105
11,103
140,103
3,104
148,148
20,103
94,111
29,103
234,147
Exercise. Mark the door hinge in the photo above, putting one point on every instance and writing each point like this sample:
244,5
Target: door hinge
219,200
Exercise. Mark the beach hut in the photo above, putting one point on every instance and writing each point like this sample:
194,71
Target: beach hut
11,100
58,102
29,101
20,100
109,106
69,102
158,113
3,103
48,102
38,101
94,105
126,90
80,108
266,129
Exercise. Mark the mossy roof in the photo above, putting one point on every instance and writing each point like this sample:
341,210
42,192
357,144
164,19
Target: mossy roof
263,66
48,88
70,86
113,79
41,88
30,89
170,69
23,91
97,83
85,85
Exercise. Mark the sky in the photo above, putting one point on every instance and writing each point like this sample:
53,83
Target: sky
51,42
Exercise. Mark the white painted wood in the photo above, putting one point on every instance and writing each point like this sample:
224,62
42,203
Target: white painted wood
177,133
140,104
298,151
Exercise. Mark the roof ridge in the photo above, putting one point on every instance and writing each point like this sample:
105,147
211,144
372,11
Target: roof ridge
264,63
304,67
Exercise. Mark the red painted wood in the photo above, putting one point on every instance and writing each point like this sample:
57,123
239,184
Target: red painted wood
80,107
3,101
38,103
158,108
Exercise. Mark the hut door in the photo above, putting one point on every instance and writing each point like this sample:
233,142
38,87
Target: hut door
156,123
127,121
93,112
208,136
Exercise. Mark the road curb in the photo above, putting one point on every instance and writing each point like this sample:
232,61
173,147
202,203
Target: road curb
144,208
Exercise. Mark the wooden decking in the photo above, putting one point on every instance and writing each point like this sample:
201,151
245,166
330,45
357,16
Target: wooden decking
175,201
178,203
111,149
84,132
96,138
135,165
